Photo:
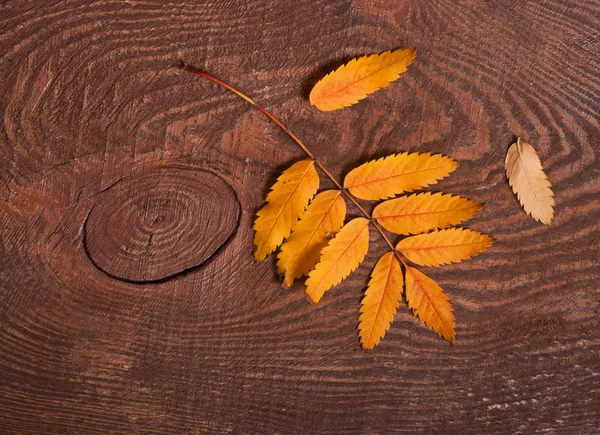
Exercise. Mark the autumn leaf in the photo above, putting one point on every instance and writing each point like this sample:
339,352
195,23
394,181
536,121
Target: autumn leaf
529,182
444,246
339,258
423,212
381,300
358,78
427,300
322,220
377,179
286,201
396,174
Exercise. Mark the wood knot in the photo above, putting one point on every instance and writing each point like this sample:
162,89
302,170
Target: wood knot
160,223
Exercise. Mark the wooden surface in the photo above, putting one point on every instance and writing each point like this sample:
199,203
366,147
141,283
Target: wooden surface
90,102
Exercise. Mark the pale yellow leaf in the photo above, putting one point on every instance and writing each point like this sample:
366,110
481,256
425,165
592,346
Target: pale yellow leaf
339,258
286,201
444,246
381,301
427,300
396,174
426,211
358,78
529,182
320,222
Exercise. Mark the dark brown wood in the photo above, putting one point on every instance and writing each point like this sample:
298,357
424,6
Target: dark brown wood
89,98
162,222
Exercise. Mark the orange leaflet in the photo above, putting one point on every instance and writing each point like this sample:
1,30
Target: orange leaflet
396,174
428,301
381,300
423,212
286,201
339,258
322,220
358,78
444,246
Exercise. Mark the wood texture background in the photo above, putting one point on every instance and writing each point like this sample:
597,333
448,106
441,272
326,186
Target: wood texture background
89,98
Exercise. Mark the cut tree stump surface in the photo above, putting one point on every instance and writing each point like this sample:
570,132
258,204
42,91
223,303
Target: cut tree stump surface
129,298
160,223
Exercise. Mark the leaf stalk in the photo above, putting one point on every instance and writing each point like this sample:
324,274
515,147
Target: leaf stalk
295,138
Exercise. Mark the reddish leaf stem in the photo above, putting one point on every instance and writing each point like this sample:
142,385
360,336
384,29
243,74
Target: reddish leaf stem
300,144
255,104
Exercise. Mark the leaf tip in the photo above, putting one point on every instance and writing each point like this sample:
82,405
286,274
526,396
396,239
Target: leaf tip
367,346
315,298
259,255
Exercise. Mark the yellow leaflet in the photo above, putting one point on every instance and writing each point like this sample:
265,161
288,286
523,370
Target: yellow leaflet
396,174
320,222
444,246
339,258
358,78
428,301
286,201
381,301
423,212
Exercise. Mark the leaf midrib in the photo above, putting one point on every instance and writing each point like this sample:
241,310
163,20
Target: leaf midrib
396,175
425,212
441,246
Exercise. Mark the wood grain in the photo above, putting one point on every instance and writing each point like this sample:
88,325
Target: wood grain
88,97
160,223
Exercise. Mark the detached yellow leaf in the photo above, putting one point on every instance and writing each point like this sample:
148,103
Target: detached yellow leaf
529,182
339,258
320,222
415,214
427,300
381,301
444,246
358,78
396,174
286,201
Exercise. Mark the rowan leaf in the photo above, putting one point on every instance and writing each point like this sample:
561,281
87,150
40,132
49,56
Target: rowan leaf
322,220
396,174
381,300
427,300
417,213
377,179
339,258
444,246
529,182
286,201
358,78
